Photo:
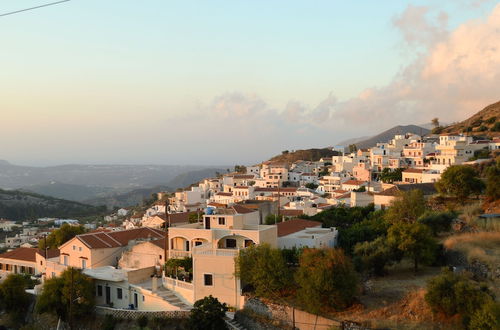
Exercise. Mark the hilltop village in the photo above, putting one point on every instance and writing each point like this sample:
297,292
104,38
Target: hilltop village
184,246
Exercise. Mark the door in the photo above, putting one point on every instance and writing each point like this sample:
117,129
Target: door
207,223
108,295
136,301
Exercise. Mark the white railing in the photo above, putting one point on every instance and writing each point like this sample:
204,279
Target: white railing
174,254
217,252
172,283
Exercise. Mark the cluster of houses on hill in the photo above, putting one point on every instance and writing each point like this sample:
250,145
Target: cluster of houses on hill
216,218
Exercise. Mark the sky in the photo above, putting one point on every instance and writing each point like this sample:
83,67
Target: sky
233,82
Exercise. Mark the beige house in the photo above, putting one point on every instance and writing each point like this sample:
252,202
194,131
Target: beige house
18,261
213,244
98,249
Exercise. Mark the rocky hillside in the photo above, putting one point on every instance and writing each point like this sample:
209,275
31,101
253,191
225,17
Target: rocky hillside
386,136
486,123
307,154
18,205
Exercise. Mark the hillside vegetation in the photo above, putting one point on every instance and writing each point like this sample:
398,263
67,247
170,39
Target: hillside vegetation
307,154
18,205
486,123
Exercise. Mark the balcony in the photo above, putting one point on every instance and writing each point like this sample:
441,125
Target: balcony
178,254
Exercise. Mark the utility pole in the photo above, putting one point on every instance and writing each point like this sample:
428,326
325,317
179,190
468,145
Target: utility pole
71,301
165,246
278,213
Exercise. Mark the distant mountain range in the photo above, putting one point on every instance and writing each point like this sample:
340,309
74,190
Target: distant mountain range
363,143
18,205
111,185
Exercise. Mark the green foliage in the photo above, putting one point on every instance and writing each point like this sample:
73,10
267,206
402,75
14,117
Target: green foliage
353,148
435,122
208,314
292,256
389,176
60,236
486,318
186,264
265,269
491,120
437,221
272,219
13,297
481,154
360,189
493,181
496,127
326,280
407,207
482,128
26,205
373,226
240,168
414,240
450,294
460,181
109,322
142,321
311,186
374,256
342,217
437,130
73,291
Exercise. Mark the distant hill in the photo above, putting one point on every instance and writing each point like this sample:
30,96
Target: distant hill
186,179
19,205
389,134
307,154
112,176
353,140
73,192
486,123
126,199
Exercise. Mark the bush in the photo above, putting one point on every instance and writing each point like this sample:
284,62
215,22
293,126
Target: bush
326,280
496,127
375,255
437,221
142,321
486,318
456,294
460,181
208,314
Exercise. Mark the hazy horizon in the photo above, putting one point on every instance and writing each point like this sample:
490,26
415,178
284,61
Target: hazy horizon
235,82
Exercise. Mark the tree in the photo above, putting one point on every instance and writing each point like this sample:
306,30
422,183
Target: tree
240,168
389,176
353,148
208,313
487,317
374,256
435,122
272,219
70,296
326,280
493,181
450,294
13,296
460,181
414,240
407,207
265,269
437,221
60,236
373,226
311,186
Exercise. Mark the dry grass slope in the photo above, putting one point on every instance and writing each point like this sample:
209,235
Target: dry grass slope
484,118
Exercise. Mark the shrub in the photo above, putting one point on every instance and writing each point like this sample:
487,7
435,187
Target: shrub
437,221
208,314
142,321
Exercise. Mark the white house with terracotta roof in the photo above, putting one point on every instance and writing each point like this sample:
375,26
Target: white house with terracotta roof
18,261
300,233
351,185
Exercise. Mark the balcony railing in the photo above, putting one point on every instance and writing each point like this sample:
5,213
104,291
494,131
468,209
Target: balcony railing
178,254
172,283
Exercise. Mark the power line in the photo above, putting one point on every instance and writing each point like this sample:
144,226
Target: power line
31,8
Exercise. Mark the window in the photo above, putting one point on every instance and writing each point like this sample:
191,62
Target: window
74,248
1,266
80,249
197,243
143,298
208,279
65,260
99,290
222,221
230,243
119,293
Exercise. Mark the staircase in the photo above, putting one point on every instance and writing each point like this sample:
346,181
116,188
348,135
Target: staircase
232,323
170,297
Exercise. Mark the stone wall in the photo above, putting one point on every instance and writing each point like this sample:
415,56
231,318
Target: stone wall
133,314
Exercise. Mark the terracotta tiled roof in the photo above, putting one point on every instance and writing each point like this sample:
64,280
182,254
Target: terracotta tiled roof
214,204
223,194
354,182
413,170
241,209
160,243
292,226
51,253
180,217
244,176
287,189
291,213
24,254
339,191
103,240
